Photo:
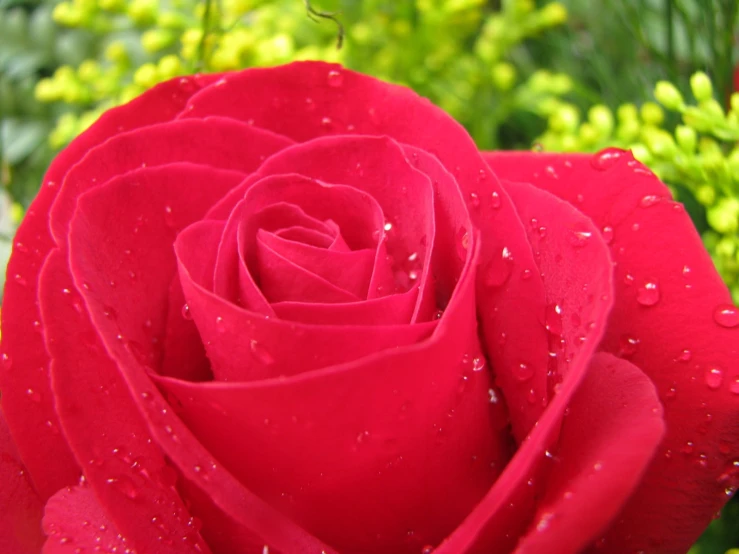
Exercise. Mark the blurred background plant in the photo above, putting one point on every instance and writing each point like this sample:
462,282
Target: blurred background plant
570,75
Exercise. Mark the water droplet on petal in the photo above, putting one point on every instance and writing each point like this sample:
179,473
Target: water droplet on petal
649,200
553,319
478,363
648,294
607,233
34,395
685,355
628,345
499,269
335,78
495,200
186,312
474,200
20,280
523,372
260,353
492,396
543,523
734,385
579,237
388,227
110,313
726,315
714,377
605,159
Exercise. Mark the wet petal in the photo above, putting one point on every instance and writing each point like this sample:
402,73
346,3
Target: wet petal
667,291
610,434
19,503
23,340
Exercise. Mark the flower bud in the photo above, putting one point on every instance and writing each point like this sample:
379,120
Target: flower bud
652,114
687,138
553,14
705,194
701,86
627,112
641,153
602,119
154,40
146,75
667,94
504,76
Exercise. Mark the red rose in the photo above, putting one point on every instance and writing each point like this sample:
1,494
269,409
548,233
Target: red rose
295,310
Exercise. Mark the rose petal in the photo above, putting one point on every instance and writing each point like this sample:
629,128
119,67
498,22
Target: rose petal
125,469
92,255
23,342
610,434
670,333
347,270
376,166
75,522
20,505
245,345
399,429
508,507
215,142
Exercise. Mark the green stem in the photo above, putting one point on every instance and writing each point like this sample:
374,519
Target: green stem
669,24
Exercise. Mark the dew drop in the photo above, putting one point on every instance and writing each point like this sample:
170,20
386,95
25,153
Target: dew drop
110,313
499,269
492,396
20,280
605,159
335,78
648,294
526,274
388,227
260,353
523,372
726,315
551,172
553,319
326,122
714,377
478,363
186,312
607,233
495,200
543,523
685,355
628,345
34,395
474,200
649,200
579,237
734,385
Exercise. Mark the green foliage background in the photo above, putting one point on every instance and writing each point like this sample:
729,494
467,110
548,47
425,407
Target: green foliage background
655,76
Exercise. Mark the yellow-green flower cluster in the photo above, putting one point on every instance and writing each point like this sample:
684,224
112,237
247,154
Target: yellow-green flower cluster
456,52
700,155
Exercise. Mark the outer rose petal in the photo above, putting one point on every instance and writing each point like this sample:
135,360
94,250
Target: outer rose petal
20,529
612,429
579,277
31,417
125,468
671,335
75,522
121,369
